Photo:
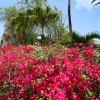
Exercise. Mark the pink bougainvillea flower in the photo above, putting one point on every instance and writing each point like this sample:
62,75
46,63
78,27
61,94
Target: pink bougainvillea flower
12,95
92,44
22,99
83,47
21,66
39,44
7,93
74,97
68,74
69,45
99,97
9,99
76,43
80,44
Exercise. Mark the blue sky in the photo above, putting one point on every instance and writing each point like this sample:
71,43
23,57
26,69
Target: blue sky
85,17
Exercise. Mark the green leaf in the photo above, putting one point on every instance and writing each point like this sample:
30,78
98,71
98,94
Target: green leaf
48,88
90,93
5,83
41,98
0,94
84,76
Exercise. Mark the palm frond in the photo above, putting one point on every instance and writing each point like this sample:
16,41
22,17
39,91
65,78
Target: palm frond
77,38
92,36
93,1
97,3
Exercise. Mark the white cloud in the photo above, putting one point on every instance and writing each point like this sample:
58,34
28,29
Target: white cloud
85,3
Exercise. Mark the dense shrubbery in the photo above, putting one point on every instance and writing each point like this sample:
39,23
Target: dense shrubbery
49,73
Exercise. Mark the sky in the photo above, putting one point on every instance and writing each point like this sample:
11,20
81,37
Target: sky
85,16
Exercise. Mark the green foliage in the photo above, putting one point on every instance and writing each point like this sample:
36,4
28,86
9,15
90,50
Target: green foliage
96,56
8,12
32,37
28,17
43,17
58,31
86,40
50,54
65,38
59,46
40,53
31,3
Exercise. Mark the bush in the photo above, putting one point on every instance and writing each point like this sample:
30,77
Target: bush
47,73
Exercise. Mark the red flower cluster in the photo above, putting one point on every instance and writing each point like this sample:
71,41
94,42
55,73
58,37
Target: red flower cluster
70,75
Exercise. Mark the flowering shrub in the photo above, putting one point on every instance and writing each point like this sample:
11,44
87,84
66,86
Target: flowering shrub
45,73
96,56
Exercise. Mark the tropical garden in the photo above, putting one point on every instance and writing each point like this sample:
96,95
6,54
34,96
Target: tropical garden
61,65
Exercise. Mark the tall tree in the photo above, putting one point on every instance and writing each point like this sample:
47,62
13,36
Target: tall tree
43,16
6,15
24,26
69,16
69,19
21,22
58,31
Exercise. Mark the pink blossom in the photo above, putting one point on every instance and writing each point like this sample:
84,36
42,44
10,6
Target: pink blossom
39,44
12,95
76,43
80,43
83,47
99,97
74,96
9,99
67,73
21,66
7,93
95,75
69,45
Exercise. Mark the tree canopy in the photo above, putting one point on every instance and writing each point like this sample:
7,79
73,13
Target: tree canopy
32,18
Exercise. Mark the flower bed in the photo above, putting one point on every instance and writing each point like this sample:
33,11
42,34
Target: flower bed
45,73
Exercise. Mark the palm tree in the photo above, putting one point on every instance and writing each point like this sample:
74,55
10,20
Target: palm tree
35,16
17,21
43,16
84,39
22,24
69,16
69,19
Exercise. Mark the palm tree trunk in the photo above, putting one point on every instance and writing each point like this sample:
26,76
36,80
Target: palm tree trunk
69,19
24,32
55,35
24,37
42,36
49,35
32,40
